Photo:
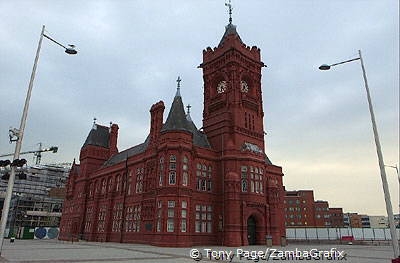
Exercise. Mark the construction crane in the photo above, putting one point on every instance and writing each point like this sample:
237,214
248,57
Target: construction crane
37,153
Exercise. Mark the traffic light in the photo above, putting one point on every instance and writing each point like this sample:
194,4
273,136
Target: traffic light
22,176
18,162
5,176
4,163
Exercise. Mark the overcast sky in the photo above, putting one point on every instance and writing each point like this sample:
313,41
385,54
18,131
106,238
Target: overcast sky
131,52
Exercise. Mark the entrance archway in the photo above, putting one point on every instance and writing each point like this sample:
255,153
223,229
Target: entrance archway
251,230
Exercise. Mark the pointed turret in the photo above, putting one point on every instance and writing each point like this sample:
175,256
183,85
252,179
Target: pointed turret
230,29
176,120
98,136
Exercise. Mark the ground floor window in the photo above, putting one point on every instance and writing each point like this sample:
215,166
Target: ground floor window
203,220
101,218
170,225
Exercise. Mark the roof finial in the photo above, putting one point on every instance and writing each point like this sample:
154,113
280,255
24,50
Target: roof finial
188,113
94,124
178,89
229,5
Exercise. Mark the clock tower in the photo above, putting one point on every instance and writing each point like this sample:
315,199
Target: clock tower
233,112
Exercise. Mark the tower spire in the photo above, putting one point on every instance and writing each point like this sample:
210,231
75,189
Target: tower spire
229,5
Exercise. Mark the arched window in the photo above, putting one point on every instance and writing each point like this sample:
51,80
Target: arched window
130,181
139,180
244,185
172,177
204,185
185,179
118,183
103,186
161,171
110,184
91,189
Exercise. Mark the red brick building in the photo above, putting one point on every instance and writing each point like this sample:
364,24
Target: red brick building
322,215
336,216
301,210
184,186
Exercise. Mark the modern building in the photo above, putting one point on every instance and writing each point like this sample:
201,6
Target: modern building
322,214
378,222
185,186
352,220
336,217
37,200
301,210
365,221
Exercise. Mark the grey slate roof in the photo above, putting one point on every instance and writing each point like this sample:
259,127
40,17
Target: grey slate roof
178,121
267,160
119,157
230,29
199,138
98,136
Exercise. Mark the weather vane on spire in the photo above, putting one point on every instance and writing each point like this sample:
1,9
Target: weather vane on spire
229,5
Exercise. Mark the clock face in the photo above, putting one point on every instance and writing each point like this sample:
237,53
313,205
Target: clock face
221,88
244,87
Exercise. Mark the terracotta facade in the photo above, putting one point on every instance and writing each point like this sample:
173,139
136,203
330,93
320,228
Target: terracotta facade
185,186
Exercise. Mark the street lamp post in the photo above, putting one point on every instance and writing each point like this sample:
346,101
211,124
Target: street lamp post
19,134
398,177
385,186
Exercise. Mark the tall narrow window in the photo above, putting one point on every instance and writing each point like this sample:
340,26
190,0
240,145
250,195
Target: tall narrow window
118,186
129,182
161,171
183,216
171,214
185,173
136,218
172,177
203,177
172,170
110,184
244,178
203,221
101,218
185,178
139,180
103,186
159,216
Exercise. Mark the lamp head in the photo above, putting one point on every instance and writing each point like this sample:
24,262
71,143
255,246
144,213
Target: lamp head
324,67
71,50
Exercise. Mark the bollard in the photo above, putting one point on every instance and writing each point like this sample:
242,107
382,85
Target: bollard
268,240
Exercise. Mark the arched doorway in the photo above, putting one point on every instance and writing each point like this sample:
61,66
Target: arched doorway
251,230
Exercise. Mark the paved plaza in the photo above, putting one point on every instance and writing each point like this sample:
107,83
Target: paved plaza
58,251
